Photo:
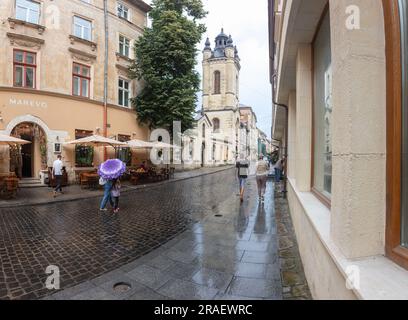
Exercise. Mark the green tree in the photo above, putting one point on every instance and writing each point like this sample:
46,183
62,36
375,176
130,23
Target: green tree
165,62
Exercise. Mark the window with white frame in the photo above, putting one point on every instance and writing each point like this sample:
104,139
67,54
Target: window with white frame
28,10
82,28
123,11
124,46
123,93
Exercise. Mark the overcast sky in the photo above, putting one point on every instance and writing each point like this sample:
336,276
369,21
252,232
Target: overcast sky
247,22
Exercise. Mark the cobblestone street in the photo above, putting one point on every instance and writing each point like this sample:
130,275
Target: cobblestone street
189,239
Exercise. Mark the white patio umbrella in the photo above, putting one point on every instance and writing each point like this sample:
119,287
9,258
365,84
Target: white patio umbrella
139,144
11,141
97,141
163,145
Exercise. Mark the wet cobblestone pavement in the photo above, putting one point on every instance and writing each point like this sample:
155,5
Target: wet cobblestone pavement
218,249
294,282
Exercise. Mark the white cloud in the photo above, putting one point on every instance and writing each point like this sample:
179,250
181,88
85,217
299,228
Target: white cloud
247,22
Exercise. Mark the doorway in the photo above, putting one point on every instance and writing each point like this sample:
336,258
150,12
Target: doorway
202,155
28,160
27,157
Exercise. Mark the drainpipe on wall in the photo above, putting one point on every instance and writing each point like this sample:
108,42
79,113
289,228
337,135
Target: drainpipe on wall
272,48
105,77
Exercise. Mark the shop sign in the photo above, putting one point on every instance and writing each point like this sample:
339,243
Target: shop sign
28,103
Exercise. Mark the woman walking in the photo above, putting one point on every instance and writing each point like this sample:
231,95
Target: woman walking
116,194
107,188
262,169
243,172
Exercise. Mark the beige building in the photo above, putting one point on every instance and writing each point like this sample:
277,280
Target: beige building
248,142
340,69
203,146
52,79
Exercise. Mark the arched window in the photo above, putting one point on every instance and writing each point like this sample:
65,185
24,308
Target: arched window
216,124
217,82
203,133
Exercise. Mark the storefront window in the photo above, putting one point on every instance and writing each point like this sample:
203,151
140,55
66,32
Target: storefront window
404,156
322,111
83,155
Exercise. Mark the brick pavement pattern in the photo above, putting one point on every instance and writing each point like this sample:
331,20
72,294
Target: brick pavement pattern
190,239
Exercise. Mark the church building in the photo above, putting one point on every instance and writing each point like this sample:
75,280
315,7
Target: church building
217,136
221,68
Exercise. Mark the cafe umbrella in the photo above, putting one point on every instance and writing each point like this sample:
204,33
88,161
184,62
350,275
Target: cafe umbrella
11,141
97,141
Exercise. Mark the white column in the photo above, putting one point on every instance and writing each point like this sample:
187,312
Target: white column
291,161
359,130
303,117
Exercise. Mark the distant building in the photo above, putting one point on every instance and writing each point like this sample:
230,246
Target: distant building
249,132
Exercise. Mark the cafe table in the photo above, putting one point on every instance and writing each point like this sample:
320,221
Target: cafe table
92,179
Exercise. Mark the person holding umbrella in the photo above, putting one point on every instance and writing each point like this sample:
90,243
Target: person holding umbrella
109,171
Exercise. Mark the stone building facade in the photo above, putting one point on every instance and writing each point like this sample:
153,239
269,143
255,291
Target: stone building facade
221,68
340,67
52,77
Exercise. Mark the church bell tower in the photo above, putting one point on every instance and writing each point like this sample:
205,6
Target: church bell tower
221,68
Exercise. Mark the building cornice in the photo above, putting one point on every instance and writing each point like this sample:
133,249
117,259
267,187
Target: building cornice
141,5
38,27
221,110
25,41
82,55
74,39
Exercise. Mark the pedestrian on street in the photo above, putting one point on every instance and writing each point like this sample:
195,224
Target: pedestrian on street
109,171
243,172
107,189
57,174
278,170
116,194
262,169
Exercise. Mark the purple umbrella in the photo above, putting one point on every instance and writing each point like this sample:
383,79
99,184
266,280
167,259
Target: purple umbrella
111,169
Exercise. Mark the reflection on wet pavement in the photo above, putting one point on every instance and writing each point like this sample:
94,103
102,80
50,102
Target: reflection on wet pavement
191,239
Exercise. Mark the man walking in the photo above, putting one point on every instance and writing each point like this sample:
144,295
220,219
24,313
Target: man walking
57,174
278,169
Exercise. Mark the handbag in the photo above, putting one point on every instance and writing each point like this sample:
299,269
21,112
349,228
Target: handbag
102,181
